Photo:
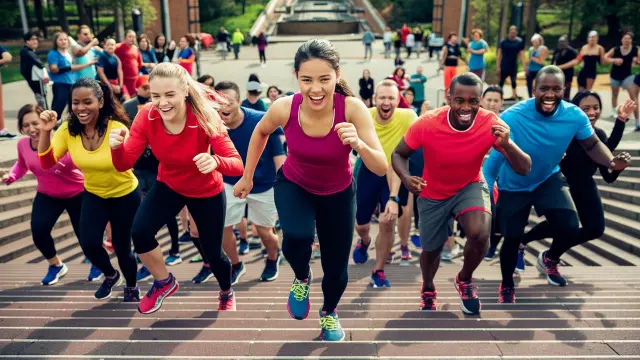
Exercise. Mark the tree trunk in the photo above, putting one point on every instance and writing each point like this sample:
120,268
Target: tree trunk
117,15
613,22
531,20
61,15
37,8
82,13
504,21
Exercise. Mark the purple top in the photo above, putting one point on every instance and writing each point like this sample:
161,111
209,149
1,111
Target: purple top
319,165
62,181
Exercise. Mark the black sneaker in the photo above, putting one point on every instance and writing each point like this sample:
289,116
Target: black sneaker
185,238
131,294
271,269
104,291
6,135
203,276
236,272
549,268
506,295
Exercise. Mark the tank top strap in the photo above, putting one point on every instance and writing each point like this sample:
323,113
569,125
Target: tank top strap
339,106
295,109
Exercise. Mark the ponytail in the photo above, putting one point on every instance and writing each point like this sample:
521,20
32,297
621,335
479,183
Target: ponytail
343,88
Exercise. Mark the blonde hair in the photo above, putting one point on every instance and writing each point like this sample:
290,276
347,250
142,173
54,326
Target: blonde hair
204,101
537,36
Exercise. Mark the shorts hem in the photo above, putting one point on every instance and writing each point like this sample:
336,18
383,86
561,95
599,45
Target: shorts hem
473,208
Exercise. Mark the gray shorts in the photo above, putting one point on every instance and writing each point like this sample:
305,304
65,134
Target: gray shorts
436,216
625,84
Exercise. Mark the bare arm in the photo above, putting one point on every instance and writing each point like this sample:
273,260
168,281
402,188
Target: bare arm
82,50
278,161
608,57
540,59
523,58
444,56
102,75
370,149
6,58
498,59
120,73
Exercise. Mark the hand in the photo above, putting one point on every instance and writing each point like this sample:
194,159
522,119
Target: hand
243,187
46,80
116,138
94,42
93,62
625,110
501,132
205,163
48,120
425,107
6,179
414,184
390,211
620,162
618,61
348,135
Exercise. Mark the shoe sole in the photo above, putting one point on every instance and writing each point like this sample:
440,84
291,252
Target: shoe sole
404,263
341,339
96,279
277,271
173,262
488,258
520,271
551,282
464,309
172,291
118,283
59,276
373,285
244,271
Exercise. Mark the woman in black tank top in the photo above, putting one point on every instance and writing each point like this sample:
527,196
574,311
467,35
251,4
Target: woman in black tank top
623,58
591,54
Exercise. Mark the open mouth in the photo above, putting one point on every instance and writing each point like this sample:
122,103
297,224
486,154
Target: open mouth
465,117
316,100
83,116
548,105
385,110
165,110
225,114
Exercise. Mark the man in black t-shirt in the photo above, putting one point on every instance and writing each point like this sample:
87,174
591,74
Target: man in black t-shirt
507,58
562,55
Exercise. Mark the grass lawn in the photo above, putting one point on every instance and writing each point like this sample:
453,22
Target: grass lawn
231,23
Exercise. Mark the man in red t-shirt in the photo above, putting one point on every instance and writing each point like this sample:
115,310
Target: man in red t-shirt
454,140
131,60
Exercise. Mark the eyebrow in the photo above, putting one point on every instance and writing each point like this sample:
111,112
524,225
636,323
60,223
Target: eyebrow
168,92
310,77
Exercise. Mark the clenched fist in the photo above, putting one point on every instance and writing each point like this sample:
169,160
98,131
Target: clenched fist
348,135
48,120
116,138
205,163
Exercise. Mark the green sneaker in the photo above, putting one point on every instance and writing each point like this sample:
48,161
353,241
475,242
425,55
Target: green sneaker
298,303
196,259
330,325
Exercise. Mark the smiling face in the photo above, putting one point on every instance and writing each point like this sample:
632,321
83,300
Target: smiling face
62,42
31,125
85,105
229,112
465,103
168,97
387,99
591,106
130,39
317,81
110,46
183,43
273,94
492,101
548,92
144,44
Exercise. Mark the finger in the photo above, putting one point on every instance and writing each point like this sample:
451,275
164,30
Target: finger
198,157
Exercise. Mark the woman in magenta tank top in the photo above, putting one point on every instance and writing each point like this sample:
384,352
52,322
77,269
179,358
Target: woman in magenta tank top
314,188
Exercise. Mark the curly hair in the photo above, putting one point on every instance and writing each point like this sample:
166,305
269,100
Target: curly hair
111,110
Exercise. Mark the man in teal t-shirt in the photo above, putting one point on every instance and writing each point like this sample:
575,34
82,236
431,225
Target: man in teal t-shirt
417,81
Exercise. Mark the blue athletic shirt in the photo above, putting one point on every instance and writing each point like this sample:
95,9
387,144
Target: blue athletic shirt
545,139
264,177
54,57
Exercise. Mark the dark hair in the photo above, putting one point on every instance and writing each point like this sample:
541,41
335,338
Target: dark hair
494,88
628,33
585,94
254,77
404,72
228,85
410,89
26,109
451,34
467,79
322,50
155,42
549,70
111,110
204,78
28,35
274,87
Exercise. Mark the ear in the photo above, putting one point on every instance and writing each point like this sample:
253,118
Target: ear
338,74
448,97
101,104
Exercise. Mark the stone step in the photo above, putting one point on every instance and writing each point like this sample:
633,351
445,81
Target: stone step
25,245
621,208
628,243
622,182
19,187
15,216
22,230
624,195
632,171
622,224
12,202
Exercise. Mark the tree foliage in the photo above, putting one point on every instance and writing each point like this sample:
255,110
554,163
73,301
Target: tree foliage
9,13
486,16
149,13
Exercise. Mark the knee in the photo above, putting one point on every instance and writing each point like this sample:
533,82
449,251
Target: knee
39,229
593,231
478,233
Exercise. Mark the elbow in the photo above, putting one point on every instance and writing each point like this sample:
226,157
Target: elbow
382,169
525,168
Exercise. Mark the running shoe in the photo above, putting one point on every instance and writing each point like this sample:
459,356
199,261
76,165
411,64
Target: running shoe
4,134
298,303
131,294
506,295
361,252
227,302
104,291
173,260
236,232
243,249
196,259
445,255
330,327
271,269
54,274
490,254
203,276
428,300
143,274
549,268
469,301
237,271
415,239
185,238
315,251
160,290
378,280
392,254
94,274
406,254
520,264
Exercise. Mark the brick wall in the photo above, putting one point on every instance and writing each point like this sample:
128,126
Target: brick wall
451,18
178,18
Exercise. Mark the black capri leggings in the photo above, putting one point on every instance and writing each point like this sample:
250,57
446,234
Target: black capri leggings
44,215
301,212
96,212
208,213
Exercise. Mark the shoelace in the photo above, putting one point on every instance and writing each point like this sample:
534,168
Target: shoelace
506,293
551,266
381,275
428,299
328,322
154,288
467,290
224,302
300,290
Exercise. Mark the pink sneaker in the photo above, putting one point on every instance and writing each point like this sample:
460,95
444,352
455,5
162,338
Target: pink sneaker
227,302
152,301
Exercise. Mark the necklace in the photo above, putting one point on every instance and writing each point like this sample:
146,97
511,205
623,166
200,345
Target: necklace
89,137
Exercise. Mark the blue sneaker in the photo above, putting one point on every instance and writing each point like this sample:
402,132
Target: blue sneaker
143,274
138,259
415,239
185,238
298,304
94,274
330,327
520,264
244,247
131,294
104,291
271,269
203,276
360,253
236,272
490,254
86,261
54,274
173,260
378,279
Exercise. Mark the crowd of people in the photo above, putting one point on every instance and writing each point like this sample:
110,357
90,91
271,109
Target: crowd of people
178,147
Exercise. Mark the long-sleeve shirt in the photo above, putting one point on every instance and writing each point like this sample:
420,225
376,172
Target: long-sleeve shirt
29,59
176,152
100,177
62,181
577,165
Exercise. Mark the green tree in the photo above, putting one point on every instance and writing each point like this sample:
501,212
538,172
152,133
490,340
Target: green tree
486,16
214,9
9,13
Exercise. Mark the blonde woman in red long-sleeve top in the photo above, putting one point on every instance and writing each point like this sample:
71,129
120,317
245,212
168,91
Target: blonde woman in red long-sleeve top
181,127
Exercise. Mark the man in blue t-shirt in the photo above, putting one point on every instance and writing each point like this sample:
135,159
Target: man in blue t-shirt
416,82
543,127
262,212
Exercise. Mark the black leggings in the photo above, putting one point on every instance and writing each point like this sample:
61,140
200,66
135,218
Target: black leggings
531,75
61,98
589,206
44,215
96,213
333,215
505,73
263,57
208,213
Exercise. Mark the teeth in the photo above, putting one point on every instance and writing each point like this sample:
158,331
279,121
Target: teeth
317,98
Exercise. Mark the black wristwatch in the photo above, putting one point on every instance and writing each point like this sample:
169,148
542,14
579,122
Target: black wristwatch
395,199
